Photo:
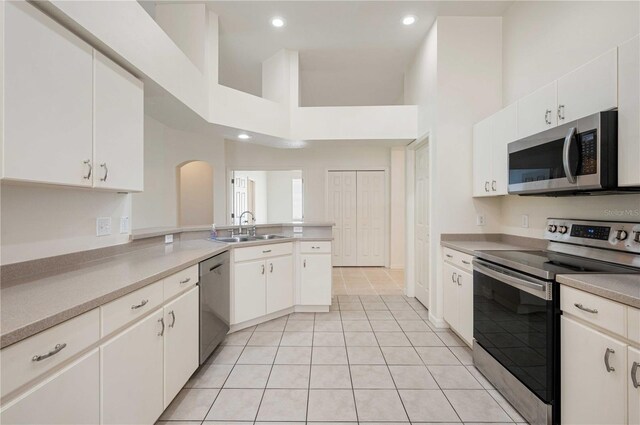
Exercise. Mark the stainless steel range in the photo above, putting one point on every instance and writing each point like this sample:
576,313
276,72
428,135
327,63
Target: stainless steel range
516,308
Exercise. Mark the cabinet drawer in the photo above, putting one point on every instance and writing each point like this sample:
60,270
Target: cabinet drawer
315,247
601,312
633,327
180,281
262,251
459,259
128,308
18,361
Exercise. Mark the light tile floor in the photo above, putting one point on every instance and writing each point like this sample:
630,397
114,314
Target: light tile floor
372,358
367,281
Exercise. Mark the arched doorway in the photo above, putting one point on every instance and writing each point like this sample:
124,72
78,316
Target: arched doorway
195,193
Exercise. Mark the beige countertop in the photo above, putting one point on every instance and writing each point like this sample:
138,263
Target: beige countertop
150,232
469,247
37,303
623,288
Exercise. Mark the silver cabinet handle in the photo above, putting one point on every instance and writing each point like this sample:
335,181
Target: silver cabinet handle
453,277
547,116
266,251
53,352
270,267
486,186
187,280
561,112
634,375
466,262
315,247
458,281
304,263
449,255
607,353
173,319
137,306
106,172
587,309
87,162
161,321
493,185
262,269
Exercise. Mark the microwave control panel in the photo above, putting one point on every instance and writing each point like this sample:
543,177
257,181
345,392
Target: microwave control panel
588,143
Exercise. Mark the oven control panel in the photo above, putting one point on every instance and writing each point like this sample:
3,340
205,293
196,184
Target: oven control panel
616,235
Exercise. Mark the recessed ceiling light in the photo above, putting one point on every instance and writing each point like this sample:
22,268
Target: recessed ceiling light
243,136
277,22
409,20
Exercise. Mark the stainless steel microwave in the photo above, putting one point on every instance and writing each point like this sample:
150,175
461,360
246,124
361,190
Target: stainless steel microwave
580,156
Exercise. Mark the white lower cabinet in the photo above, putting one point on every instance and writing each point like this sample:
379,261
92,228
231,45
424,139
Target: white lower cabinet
279,285
71,396
131,374
458,300
633,387
591,391
181,355
315,284
250,290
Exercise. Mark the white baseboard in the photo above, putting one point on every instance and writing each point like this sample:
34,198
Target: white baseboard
438,323
298,308
311,308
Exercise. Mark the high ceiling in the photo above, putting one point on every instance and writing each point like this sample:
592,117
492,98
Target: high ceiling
351,52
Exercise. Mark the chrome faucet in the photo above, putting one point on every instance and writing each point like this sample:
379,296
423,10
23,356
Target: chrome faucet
253,218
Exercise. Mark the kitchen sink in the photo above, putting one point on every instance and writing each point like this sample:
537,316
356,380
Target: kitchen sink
246,238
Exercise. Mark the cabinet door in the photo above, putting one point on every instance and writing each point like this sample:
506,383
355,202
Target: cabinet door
71,396
590,394
633,389
629,113
538,111
505,132
465,306
450,295
48,94
181,349
131,373
315,288
589,89
119,122
482,147
279,283
249,290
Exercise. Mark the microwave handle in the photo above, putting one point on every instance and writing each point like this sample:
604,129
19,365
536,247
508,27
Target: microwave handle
569,140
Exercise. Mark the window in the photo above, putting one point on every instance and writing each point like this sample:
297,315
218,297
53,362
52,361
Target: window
298,199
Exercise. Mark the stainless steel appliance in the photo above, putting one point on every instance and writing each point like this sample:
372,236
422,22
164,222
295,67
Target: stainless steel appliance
214,303
516,309
580,156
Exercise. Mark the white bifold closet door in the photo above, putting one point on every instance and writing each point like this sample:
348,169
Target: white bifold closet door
356,206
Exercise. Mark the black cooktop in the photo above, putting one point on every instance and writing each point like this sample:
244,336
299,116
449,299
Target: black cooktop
547,264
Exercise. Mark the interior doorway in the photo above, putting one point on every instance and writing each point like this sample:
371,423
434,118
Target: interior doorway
422,231
195,193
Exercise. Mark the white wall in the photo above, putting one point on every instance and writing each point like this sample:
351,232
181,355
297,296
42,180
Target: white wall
280,195
186,24
544,40
397,207
538,47
313,161
164,149
44,221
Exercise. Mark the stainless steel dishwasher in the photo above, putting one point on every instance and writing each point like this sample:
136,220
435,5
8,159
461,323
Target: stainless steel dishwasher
214,303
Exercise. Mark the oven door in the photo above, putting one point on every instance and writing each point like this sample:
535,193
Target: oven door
514,321
576,156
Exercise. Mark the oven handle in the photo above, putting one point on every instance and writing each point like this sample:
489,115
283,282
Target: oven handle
568,141
536,289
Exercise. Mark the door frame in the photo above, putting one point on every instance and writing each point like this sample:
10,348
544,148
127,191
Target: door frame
387,202
410,182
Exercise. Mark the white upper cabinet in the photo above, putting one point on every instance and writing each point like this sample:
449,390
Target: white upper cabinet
48,100
589,89
538,111
490,160
629,113
118,121
69,118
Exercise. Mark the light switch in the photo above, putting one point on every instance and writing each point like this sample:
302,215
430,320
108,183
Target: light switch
525,220
103,226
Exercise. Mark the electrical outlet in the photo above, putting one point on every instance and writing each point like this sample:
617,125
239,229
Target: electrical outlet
297,229
124,224
525,220
103,226
481,220
168,238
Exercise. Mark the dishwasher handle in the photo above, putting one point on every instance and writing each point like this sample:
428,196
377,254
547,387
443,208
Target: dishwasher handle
217,266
